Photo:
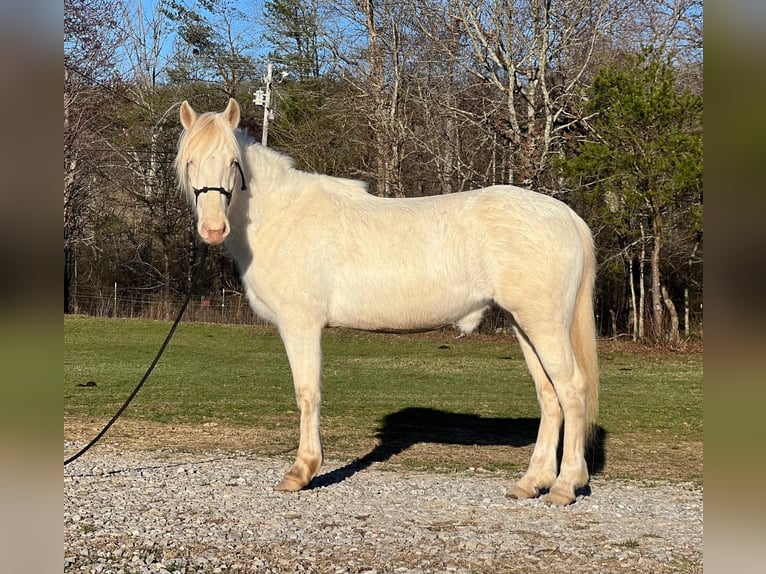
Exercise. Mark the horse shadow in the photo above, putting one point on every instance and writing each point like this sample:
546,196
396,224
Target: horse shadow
405,428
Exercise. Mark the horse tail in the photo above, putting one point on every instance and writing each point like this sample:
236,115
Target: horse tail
583,332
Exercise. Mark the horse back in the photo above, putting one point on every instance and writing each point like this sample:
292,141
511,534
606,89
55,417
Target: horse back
374,263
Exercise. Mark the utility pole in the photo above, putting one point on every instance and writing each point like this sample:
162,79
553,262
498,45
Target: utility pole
267,107
263,98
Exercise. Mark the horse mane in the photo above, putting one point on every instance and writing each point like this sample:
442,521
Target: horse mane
266,159
272,165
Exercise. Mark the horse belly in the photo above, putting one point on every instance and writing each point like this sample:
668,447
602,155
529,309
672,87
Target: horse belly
389,301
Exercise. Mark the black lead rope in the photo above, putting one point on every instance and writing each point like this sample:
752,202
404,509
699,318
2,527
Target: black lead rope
124,406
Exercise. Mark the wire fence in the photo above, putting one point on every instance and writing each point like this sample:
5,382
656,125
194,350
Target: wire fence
230,307
227,307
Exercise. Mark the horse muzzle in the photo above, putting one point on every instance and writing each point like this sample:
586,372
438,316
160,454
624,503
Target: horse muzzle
213,234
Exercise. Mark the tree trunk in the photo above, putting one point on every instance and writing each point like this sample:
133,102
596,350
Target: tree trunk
633,308
68,277
68,254
673,334
642,287
658,327
384,105
687,326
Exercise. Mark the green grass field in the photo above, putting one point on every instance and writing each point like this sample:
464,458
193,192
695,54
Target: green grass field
447,403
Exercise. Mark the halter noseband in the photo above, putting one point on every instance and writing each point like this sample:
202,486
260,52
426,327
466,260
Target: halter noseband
222,190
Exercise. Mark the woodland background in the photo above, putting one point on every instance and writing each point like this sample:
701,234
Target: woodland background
598,103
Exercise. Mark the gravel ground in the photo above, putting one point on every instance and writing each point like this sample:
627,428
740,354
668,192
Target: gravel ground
170,511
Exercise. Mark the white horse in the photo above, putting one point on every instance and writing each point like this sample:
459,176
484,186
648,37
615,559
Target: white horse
317,251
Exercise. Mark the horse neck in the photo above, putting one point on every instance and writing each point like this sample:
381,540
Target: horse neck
267,173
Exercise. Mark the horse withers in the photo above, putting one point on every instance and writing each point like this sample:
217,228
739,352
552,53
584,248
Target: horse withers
317,251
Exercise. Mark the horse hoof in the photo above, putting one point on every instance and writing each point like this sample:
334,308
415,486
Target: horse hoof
519,493
558,498
289,484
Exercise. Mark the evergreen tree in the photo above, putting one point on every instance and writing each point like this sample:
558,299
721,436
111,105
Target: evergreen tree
642,161
292,27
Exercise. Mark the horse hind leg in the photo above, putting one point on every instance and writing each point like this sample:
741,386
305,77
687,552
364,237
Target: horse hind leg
542,469
554,349
545,340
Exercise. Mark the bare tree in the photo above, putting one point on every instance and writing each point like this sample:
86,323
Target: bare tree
367,38
213,44
442,120
536,54
91,35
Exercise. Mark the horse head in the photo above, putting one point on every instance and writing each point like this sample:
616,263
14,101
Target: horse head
209,167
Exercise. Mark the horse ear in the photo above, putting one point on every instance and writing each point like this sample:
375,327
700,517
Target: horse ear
188,115
231,113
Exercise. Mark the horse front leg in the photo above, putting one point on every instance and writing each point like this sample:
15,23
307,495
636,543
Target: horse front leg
303,346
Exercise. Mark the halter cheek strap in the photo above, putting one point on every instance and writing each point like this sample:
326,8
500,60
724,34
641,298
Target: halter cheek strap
222,190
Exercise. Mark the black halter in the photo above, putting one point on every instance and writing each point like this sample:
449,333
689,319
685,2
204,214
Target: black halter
222,190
